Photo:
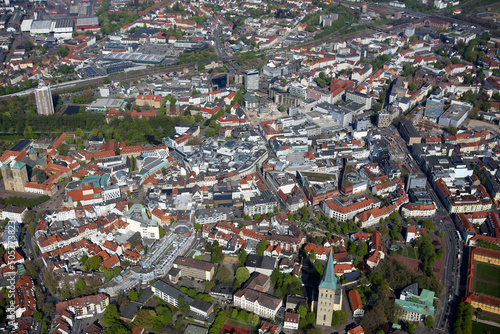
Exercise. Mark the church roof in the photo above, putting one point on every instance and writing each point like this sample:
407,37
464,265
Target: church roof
17,165
329,280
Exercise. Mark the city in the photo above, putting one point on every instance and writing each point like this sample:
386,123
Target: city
205,167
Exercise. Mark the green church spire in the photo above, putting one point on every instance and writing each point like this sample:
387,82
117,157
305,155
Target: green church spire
329,280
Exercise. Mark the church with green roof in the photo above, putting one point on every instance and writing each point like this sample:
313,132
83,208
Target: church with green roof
329,294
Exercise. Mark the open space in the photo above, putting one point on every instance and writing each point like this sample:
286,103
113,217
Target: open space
411,253
488,273
488,289
480,328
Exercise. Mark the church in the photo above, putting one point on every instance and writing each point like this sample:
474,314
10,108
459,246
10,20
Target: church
329,294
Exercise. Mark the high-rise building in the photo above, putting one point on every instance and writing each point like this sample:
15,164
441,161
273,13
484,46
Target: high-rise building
252,79
44,103
329,295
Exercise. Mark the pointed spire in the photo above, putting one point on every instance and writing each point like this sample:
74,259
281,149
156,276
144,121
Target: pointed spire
329,280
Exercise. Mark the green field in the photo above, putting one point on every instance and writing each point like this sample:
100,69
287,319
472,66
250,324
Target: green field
488,273
411,253
480,328
488,289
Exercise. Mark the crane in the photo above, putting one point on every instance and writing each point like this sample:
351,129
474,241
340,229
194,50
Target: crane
425,111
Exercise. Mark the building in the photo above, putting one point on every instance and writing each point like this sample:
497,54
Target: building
152,101
13,213
455,115
14,176
84,307
488,259
252,80
409,133
383,119
342,115
414,306
263,204
356,303
43,97
333,208
201,270
139,221
291,320
329,294
260,303
261,264
356,330
171,295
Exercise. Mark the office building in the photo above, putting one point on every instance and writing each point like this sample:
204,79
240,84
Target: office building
201,270
252,80
43,97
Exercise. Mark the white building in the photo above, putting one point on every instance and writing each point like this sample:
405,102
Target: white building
260,303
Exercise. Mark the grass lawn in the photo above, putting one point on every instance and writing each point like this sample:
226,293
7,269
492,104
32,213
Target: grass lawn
241,324
488,289
480,328
488,273
411,253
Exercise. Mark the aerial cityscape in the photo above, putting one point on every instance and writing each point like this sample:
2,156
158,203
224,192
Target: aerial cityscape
260,166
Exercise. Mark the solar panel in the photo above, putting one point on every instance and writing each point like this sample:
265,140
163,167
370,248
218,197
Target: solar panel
90,71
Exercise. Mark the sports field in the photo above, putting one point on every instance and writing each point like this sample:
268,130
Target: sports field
480,328
488,289
488,273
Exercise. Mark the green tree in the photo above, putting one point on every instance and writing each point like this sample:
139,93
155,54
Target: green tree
201,67
242,274
63,51
429,322
314,330
80,285
338,317
452,130
197,227
413,86
133,295
261,247
94,262
243,257
145,318
362,249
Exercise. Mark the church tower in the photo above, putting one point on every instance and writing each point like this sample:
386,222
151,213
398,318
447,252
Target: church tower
329,294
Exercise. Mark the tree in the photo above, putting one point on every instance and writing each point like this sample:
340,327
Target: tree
197,227
183,306
377,107
80,285
243,257
208,285
133,295
428,225
338,317
314,330
145,318
28,217
413,86
201,67
452,130
242,274
63,51
94,262
362,249
410,327
261,247
302,311
429,322
224,274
